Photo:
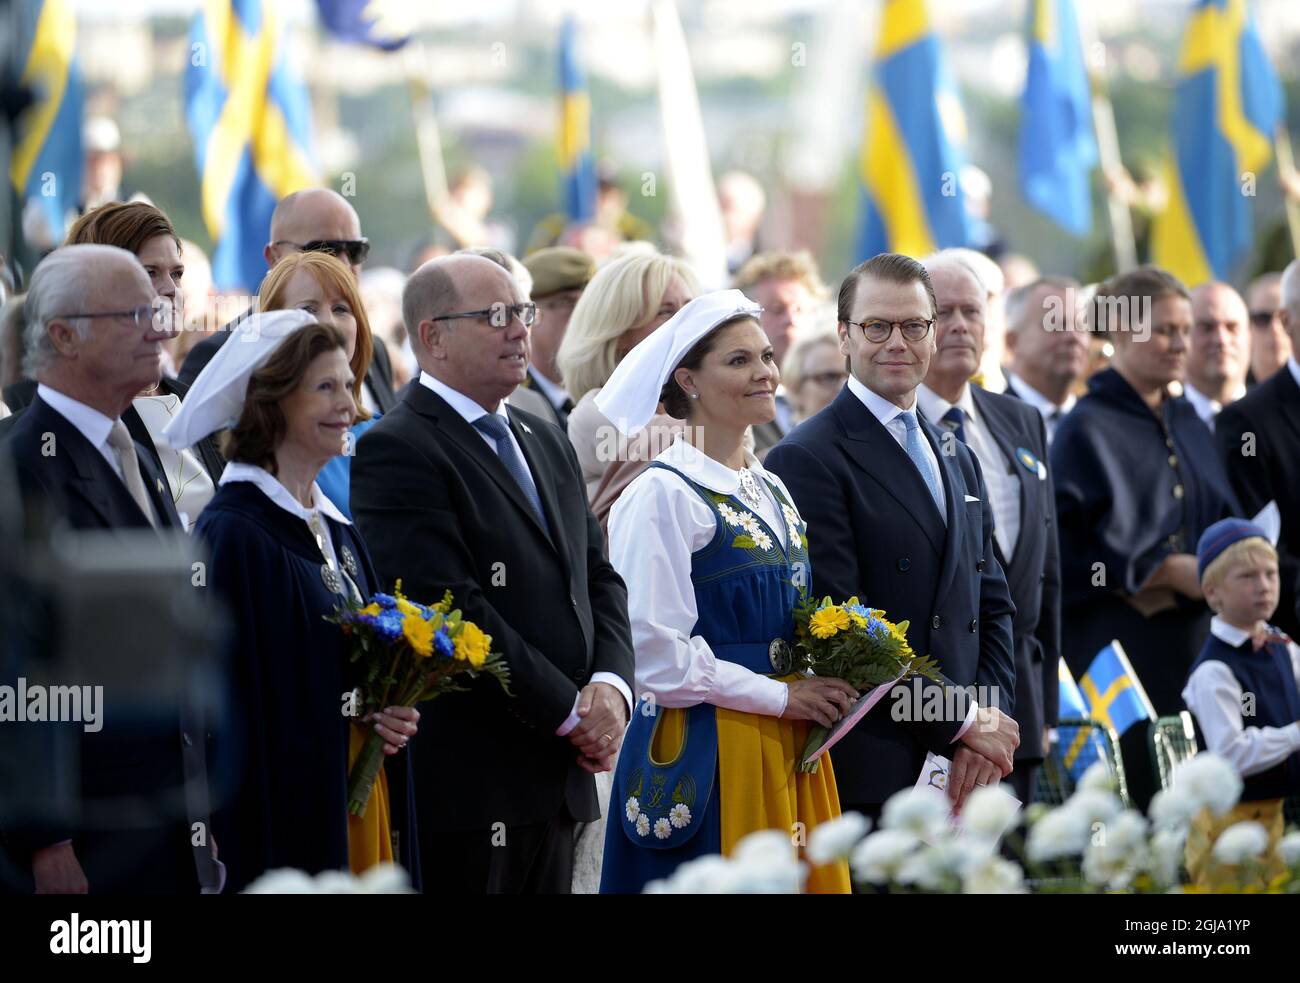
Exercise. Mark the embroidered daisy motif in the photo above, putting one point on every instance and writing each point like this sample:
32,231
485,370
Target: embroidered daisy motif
761,539
643,825
733,517
791,520
633,809
680,815
663,829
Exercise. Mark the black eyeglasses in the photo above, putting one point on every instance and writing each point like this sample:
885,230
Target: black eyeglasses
498,315
877,330
144,316
1262,319
356,250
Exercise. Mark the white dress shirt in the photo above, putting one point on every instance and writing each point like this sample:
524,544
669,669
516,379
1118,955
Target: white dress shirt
557,396
1214,695
888,414
1051,413
654,528
1206,407
471,411
89,422
999,478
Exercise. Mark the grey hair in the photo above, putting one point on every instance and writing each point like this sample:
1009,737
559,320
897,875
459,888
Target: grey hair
1019,314
1291,288
61,284
988,275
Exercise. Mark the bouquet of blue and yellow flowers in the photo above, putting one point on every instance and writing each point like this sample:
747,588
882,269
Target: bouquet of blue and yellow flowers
408,653
854,643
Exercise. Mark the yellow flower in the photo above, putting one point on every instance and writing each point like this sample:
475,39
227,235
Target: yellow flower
472,644
419,634
829,621
407,608
371,609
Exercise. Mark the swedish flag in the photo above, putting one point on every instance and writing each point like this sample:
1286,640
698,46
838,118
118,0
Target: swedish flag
46,164
250,120
1226,106
1114,693
579,173
909,162
1081,747
1058,149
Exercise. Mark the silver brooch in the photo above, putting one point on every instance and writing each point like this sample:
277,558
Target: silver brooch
779,654
350,562
749,489
331,579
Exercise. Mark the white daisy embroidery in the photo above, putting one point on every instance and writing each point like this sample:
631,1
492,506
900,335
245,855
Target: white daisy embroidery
663,829
733,517
680,815
643,825
633,809
761,539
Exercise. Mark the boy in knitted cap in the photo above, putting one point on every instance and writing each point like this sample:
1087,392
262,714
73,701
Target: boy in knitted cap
1244,690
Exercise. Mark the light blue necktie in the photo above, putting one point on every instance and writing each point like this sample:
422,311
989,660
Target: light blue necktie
495,427
916,451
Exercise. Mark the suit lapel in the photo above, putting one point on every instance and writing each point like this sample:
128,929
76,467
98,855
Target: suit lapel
545,482
1004,434
954,484
92,473
1289,400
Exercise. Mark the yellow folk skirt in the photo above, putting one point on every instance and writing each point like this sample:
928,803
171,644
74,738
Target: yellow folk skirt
370,839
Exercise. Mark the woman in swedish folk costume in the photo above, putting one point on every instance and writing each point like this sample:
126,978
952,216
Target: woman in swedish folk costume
712,550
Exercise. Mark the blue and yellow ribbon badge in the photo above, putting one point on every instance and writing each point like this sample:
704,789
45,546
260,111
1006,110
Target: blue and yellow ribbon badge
1032,464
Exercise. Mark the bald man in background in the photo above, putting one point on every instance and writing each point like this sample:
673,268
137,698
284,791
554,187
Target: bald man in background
1218,351
324,221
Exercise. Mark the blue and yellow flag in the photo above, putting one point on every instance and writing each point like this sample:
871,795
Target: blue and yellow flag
379,23
46,164
1226,107
909,163
1058,148
1080,746
1114,693
250,119
576,166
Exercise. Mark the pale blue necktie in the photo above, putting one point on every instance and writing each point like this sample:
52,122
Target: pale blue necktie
496,428
916,451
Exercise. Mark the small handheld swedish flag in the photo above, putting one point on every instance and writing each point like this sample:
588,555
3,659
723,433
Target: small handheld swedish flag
1114,693
1082,747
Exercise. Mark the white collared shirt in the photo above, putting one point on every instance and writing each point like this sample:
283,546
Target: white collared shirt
471,411
1294,366
887,413
654,527
999,478
1052,413
270,486
1207,408
1214,695
557,396
88,421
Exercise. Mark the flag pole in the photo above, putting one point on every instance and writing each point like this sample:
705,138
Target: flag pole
428,140
1286,173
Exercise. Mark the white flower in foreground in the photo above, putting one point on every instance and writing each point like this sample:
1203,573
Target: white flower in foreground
989,812
1210,781
283,881
642,825
385,879
923,812
1094,807
1062,832
936,868
1289,848
663,829
766,862
836,839
1166,856
633,809
1240,842
680,815
1173,808
877,858
1117,852
993,875
706,875
380,879
1097,778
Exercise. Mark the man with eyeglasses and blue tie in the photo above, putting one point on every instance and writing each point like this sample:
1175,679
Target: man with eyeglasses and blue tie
901,518
455,490
312,220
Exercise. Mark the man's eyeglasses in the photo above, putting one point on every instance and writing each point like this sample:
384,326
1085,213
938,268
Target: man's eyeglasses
1262,319
158,315
498,315
878,331
356,250
827,379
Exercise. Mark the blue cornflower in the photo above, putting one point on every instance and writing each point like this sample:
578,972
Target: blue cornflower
442,643
386,601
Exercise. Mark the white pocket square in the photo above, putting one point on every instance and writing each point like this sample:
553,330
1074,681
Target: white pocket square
971,498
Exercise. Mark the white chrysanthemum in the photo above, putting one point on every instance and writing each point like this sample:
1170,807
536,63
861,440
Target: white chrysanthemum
1165,858
877,858
1097,778
335,882
706,875
1095,807
1117,851
1172,808
836,839
1210,781
1289,848
993,875
283,881
1240,842
989,812
663,829
680,815
385,878
939,867
642,825
923,812
766,862
633,809
1062,832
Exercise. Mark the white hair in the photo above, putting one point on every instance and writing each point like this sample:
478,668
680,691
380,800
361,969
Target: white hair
986,272
1291,288
62,284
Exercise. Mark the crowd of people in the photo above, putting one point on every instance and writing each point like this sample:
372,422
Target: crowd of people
624,478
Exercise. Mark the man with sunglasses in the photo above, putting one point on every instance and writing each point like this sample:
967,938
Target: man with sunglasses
899,516
1270,346
312,220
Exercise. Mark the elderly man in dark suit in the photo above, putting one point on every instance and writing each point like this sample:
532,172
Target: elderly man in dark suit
1008,437
455,490
1259,441
92,345
907,527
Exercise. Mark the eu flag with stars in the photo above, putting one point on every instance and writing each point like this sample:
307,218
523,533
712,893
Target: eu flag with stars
1058,149
576,166
909,163
1114,693
379,23
1227,105
46,164
250,119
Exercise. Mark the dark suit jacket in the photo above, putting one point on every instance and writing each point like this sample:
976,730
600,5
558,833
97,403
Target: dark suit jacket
874,532
1271,412
1033,571
438,509
75,484
379,377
